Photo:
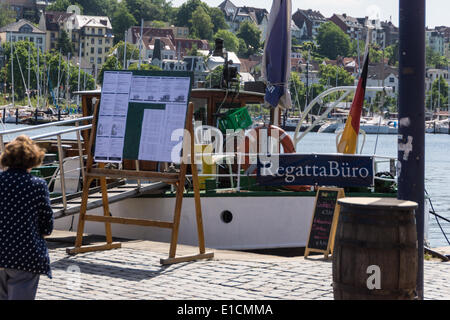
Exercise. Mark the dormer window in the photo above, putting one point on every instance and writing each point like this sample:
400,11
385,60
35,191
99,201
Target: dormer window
26,29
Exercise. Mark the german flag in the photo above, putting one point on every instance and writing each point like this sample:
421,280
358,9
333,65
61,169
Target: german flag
348,142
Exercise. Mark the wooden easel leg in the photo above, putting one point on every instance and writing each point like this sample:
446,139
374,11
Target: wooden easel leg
306,253
177,213
106,212
198,209
81,220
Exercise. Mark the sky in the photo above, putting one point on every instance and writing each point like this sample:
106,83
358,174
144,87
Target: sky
437,13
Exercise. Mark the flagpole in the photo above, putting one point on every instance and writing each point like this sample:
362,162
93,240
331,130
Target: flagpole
411,115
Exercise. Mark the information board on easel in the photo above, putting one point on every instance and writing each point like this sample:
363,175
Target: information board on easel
324,221
138,114
135,120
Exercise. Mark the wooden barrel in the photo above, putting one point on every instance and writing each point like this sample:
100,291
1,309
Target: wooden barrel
375,253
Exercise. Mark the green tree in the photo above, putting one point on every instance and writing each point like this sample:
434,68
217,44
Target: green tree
328,74
97,7
354,47
112,63
64,44
434,59
157,24
184,13
376,55
59,5
131,54
215,77
144,66
193,52
392,53
438,97
20,56
202,26
332,41
249,32
121,20
217,19
7,15
148,10
242,51
183,16
383,102
298,91
230,41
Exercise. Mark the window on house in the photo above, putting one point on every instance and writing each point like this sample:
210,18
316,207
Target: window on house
391,80
20,38
100,31
92,50
92,60
99,50
100,41
92,41
99,60
39,40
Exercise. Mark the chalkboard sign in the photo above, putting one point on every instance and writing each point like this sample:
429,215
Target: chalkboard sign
324,221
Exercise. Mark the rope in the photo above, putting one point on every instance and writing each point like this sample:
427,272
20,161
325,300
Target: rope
437,216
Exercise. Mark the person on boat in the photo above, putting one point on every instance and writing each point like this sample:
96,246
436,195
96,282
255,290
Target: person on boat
25,218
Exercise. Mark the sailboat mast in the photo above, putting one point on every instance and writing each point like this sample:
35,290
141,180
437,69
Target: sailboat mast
67,82
140,44
79,72
38,87
59,79
125,52
28,76
12,68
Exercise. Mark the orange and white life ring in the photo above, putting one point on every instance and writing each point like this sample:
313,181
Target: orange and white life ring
284,139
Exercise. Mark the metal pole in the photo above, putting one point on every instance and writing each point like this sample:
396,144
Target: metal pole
61,171
38,87
411,139
12,69
125,52
307,84
80,152
29,66
140,44
59,79
67,83
79,73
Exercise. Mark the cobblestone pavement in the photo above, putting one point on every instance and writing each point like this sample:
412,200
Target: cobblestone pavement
137,274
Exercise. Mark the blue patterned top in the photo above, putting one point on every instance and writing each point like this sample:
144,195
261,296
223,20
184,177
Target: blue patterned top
25,217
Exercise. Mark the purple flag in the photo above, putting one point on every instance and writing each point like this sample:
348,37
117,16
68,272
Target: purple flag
276,67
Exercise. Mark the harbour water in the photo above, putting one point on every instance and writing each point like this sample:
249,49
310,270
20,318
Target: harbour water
437,166
437,169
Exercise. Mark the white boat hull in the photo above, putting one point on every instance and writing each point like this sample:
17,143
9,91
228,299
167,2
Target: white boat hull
258,222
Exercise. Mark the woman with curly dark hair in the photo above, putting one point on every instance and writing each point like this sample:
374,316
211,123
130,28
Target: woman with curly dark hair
25,218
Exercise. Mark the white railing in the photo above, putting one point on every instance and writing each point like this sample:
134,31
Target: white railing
58,133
